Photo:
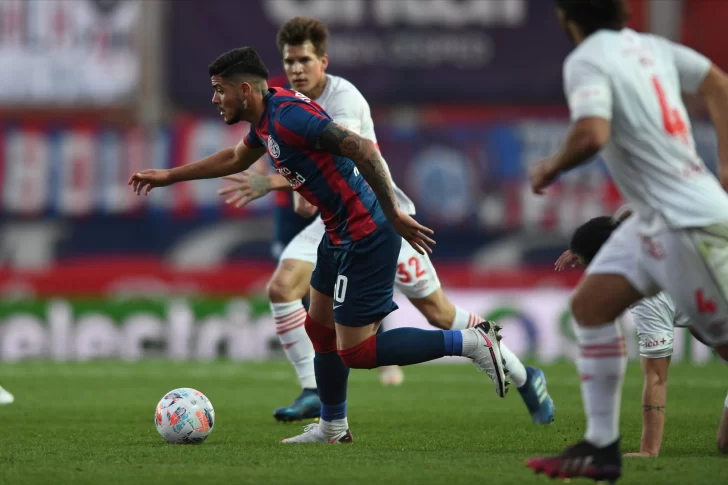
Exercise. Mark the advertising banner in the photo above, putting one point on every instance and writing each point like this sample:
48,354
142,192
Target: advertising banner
400,51
67,52
64,192
458,171
536,324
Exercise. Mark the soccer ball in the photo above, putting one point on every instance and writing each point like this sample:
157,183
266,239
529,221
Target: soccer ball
184,416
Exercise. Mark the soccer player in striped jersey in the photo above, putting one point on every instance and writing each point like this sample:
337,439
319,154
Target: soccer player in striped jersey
302,43
352,285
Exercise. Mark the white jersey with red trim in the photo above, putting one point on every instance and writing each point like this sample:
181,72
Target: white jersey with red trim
343,102
635,81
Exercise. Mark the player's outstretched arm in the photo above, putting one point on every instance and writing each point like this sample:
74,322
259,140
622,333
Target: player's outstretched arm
225,162
589,95
338,140
714,90
654,400
585,139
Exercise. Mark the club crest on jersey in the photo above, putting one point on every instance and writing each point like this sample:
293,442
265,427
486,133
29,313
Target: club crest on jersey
273,148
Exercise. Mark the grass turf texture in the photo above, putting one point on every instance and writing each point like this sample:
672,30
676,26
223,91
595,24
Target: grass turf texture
91,423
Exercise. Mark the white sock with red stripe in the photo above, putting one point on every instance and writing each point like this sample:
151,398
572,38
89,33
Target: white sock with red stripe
290,318
517,372
601,365
464,319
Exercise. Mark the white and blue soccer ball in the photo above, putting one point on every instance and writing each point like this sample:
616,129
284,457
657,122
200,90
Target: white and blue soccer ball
184,416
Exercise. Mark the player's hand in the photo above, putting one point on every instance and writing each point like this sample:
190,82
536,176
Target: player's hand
641,454
248,187
303,207
146,180
541,176
413,232
567,260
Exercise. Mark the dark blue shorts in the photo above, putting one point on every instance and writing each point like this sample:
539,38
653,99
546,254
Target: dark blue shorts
359,277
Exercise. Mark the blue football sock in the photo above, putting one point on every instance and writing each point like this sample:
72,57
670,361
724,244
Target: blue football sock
407,346
332,378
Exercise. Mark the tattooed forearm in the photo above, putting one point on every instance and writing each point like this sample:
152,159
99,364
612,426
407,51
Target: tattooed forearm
651,407
363,152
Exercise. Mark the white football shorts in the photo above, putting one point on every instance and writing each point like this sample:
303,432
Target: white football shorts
690,265
655,319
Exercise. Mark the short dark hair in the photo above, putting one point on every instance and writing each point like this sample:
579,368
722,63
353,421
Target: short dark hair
592,15
590,236
300,29
239,61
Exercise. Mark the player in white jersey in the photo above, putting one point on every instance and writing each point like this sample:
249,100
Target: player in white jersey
624,92
655,319
302,42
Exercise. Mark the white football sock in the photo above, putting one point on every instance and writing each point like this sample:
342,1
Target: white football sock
726,401
334,427
516,370
290,318
470,341
601,365
464,319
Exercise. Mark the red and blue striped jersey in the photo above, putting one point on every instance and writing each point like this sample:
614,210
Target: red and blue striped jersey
289,128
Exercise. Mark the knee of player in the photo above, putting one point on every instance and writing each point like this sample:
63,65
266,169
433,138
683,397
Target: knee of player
362,356
584,312
282,290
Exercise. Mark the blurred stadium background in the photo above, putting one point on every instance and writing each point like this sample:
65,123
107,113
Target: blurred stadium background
466,94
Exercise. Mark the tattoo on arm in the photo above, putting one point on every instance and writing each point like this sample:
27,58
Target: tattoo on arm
340,141
260,184
651,407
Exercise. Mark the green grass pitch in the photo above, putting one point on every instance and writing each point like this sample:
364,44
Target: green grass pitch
91,423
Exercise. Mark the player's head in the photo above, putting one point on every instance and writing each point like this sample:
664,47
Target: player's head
302,43
237,76
590,236
580,18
